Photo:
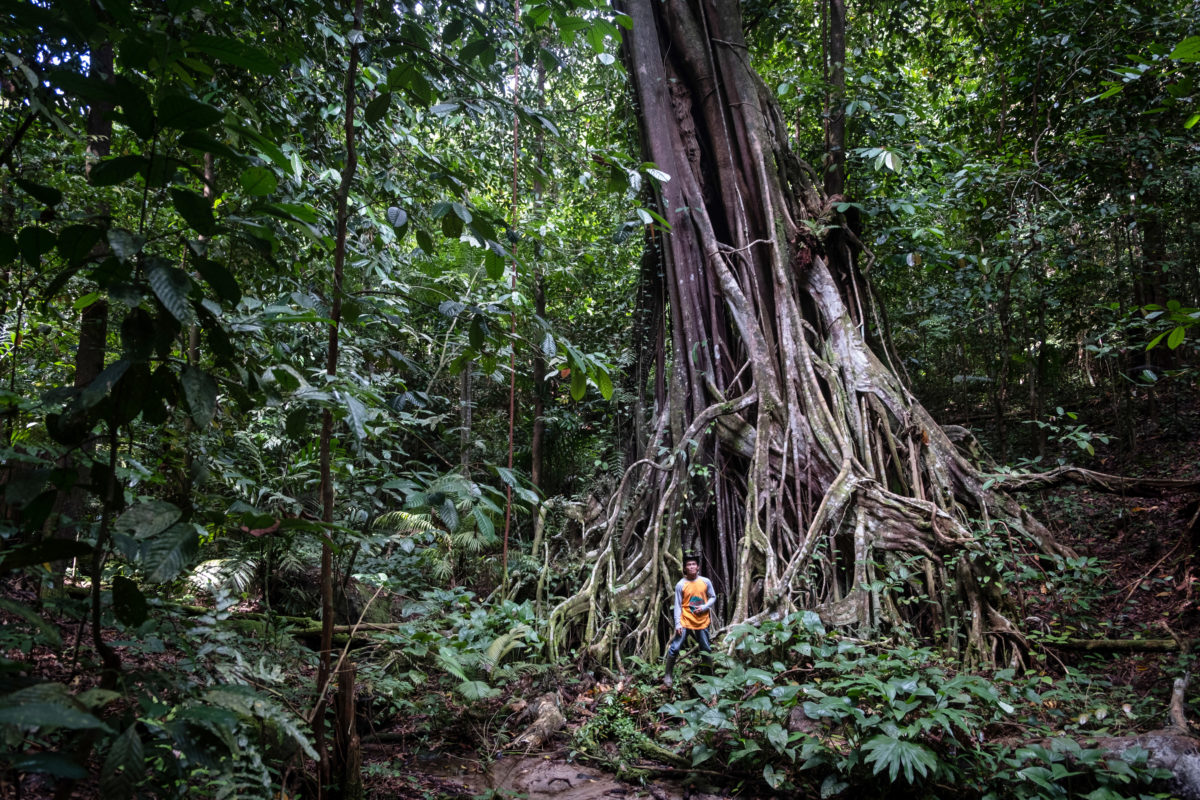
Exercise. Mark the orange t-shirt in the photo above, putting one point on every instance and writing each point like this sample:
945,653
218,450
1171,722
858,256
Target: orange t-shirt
690,596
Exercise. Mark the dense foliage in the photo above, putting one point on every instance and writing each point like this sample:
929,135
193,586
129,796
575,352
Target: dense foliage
225,227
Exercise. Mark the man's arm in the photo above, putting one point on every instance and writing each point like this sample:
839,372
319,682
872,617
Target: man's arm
712,596
679,605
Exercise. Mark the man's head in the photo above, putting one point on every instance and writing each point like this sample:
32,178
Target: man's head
691,567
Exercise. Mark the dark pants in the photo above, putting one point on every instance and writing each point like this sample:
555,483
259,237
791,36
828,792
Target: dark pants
701,636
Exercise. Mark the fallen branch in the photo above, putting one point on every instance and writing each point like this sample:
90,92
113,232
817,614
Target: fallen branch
1116,484
1129,645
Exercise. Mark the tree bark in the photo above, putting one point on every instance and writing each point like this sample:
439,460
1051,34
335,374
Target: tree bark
792,457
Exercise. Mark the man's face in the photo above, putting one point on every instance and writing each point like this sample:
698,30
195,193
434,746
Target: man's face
691,569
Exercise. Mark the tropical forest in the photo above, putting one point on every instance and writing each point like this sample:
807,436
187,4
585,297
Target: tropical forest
674,399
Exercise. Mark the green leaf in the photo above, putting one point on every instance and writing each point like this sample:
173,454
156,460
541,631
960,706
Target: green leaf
35,241
75,242
128,602
773,778
377,108
116,170
896,755
8,248
200,391
48,631
164,556
1186,50
258,181
397,217
48,715
449,662
171,285
777,735
125,765
125,244
136,110
56,764
603,382
1176,338
251,704
102,385
186,113
234,52
148,519
220,279
452,226
549,346
494,264
46,195
578,384
476,690
357,413
1191,121
205,143
195,210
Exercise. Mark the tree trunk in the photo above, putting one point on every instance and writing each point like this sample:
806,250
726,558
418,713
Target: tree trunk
793,459
333,773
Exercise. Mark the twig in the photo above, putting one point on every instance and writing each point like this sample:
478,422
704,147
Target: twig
328,681
1149,572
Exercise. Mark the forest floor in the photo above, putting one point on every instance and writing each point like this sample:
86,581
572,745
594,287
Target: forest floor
1137,577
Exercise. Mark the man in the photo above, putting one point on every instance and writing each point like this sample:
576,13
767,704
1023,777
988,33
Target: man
694,598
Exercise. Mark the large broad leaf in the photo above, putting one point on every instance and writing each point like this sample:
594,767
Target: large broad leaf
35,241
185,113
171,286
116,170
102,385
232,51
128,602
896,755
148,519
397,217
195,210
165,555
51,712
47,195
201,393
76,242
357,413
258,181
125,244
125,765
476,690
221,280
377,108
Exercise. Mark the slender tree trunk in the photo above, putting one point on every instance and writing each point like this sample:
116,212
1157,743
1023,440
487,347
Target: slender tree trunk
786,450
537,443
71,503
333,774
466,413
835,101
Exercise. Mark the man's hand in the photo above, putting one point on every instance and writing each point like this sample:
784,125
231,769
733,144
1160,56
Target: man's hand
679,630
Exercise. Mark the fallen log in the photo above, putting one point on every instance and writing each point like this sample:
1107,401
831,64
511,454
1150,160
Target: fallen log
1129,645
1102,481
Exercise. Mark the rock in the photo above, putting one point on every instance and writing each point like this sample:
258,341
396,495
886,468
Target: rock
1169,750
